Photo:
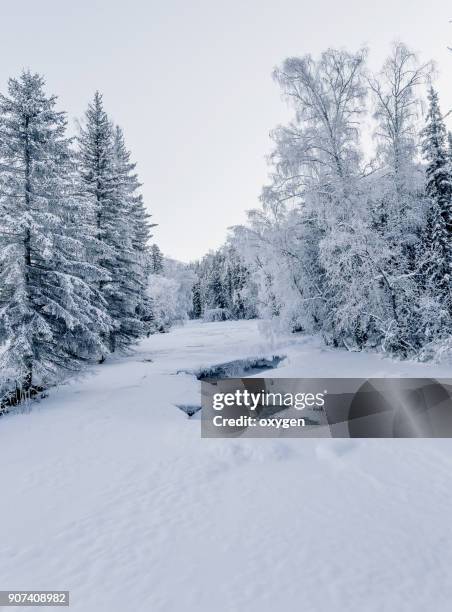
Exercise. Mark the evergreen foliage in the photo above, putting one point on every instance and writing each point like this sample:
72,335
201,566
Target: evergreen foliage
224,288
74,259
156,260
52,314
122,228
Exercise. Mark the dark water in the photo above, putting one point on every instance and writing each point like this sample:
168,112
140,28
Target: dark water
240,368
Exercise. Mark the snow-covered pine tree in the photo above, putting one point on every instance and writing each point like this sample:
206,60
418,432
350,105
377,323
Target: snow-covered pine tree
136,316
437,245
50,311
223,288
196,300
156,258
95,164
122,228
216,289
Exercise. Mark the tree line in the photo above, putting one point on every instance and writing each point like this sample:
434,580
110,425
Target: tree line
223,287
73,241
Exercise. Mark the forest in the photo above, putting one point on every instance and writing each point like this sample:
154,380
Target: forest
73,242
352,239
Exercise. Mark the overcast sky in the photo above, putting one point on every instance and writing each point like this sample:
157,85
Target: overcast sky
189,81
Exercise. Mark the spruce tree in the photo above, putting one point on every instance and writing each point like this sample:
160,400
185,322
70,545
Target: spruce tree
437,258
196,300
133,309
122,227
50,310
156,260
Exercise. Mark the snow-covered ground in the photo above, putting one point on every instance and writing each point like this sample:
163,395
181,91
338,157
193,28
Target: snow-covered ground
107,489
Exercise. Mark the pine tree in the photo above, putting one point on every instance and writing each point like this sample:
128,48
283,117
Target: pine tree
197,300
95,163
134,312
223,283
216,288
437,258
156,260
122,227
50,310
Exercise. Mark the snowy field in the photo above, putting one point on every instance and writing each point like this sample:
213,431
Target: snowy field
107,490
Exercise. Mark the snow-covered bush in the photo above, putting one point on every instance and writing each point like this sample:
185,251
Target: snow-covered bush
170,291
216,314
164,298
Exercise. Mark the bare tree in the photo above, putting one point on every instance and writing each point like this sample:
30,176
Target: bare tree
397,110
322,141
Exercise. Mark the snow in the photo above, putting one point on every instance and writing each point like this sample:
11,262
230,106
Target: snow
108,490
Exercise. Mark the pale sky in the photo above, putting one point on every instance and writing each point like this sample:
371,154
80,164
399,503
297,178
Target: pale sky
190,83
